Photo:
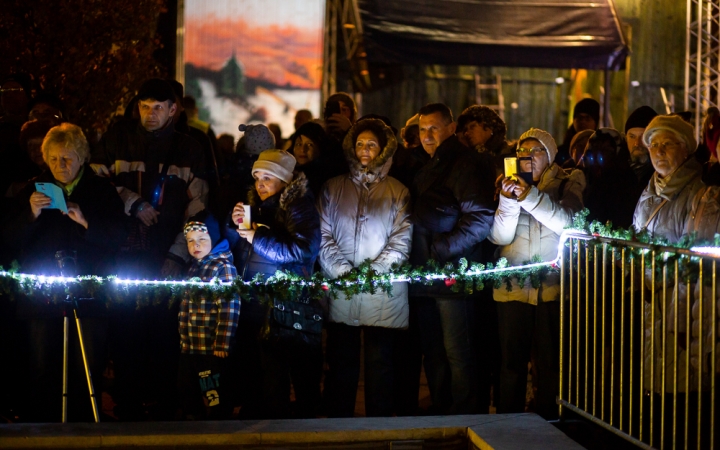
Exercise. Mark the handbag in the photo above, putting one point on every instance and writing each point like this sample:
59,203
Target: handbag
294,322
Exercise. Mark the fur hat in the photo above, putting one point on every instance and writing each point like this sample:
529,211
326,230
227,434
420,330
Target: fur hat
640,118
276,162
156,89
544,138
257,138
414,120
675,124
588,106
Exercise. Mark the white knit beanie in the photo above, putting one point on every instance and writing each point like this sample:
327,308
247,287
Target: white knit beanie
544,138
278,163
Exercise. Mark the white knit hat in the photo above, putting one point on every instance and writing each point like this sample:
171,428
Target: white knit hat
544,138
278,163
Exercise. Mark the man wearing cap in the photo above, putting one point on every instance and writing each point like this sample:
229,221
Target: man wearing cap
453,212
158,174
666,203
639,156
528,222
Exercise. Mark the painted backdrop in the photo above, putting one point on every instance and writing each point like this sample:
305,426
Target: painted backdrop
253,61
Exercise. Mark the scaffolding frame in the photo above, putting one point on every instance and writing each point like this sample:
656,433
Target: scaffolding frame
702,58
345,16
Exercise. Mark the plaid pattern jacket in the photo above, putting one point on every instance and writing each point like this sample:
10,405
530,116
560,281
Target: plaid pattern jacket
207,326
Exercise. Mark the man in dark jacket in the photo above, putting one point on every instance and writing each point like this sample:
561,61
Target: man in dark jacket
639,154
158,173
453,196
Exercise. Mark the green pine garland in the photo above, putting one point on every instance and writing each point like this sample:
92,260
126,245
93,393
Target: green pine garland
464,277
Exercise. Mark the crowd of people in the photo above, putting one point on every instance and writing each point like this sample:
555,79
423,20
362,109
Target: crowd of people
159,195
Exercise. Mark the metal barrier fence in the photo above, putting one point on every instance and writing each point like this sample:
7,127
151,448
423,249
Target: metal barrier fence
639,341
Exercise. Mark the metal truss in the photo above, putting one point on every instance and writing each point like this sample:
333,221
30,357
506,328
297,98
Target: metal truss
702,58
343,14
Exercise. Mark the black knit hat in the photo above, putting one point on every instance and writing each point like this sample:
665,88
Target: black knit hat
156,89
640,118
588,106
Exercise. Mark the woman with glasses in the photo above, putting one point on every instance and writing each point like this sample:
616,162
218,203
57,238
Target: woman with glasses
535,206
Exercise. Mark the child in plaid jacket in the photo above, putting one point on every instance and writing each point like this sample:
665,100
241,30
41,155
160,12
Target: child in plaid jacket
207,327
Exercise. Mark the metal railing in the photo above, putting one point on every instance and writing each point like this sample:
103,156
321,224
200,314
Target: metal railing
639,341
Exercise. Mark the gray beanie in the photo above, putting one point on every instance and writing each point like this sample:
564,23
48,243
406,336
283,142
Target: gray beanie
278,163
544,138
258,138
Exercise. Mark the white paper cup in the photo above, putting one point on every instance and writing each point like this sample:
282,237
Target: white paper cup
245,223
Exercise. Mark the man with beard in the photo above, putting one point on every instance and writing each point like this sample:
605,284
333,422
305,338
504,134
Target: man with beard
639,155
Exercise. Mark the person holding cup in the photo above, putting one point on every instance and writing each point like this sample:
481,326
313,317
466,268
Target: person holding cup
534,209
282,232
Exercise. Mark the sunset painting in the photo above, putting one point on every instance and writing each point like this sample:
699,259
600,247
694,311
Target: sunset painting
253,61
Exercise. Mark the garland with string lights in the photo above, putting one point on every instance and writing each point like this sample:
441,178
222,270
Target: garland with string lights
464,277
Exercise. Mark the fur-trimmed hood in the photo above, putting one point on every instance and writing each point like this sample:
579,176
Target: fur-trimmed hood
378,167
296,189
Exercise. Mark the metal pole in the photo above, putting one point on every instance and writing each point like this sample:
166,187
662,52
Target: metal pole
88,375
66,327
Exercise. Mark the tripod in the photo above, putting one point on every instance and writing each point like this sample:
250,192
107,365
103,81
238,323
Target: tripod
72,304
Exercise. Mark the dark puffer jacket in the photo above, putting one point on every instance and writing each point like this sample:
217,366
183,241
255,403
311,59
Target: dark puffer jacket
453,209
289,241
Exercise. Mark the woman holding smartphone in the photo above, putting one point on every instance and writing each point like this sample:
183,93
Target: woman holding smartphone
534,209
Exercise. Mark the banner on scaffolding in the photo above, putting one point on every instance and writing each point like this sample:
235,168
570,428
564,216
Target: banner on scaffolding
253,61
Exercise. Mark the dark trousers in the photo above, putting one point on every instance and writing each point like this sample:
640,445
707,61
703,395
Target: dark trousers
525,331
247,371
407,355
202,381
449,342
145,347
283,364
343,358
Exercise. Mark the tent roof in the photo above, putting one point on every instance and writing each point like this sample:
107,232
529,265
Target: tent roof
511,33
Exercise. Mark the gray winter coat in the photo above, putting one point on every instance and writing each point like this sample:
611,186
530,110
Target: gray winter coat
671,219
365,215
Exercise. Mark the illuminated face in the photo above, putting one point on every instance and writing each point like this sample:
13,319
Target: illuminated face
305,150
539,161
667,152
155,115
367,147
199,244
63,163
477,134
638,152
433,131
267,185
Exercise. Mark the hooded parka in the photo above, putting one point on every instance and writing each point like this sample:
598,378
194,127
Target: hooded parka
365,215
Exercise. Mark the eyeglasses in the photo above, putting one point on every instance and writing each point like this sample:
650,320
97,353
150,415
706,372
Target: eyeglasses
530,151
667,145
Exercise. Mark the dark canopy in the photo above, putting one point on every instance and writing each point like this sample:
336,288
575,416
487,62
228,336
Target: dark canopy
511,33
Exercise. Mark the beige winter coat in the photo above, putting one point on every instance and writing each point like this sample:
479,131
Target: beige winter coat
532,226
